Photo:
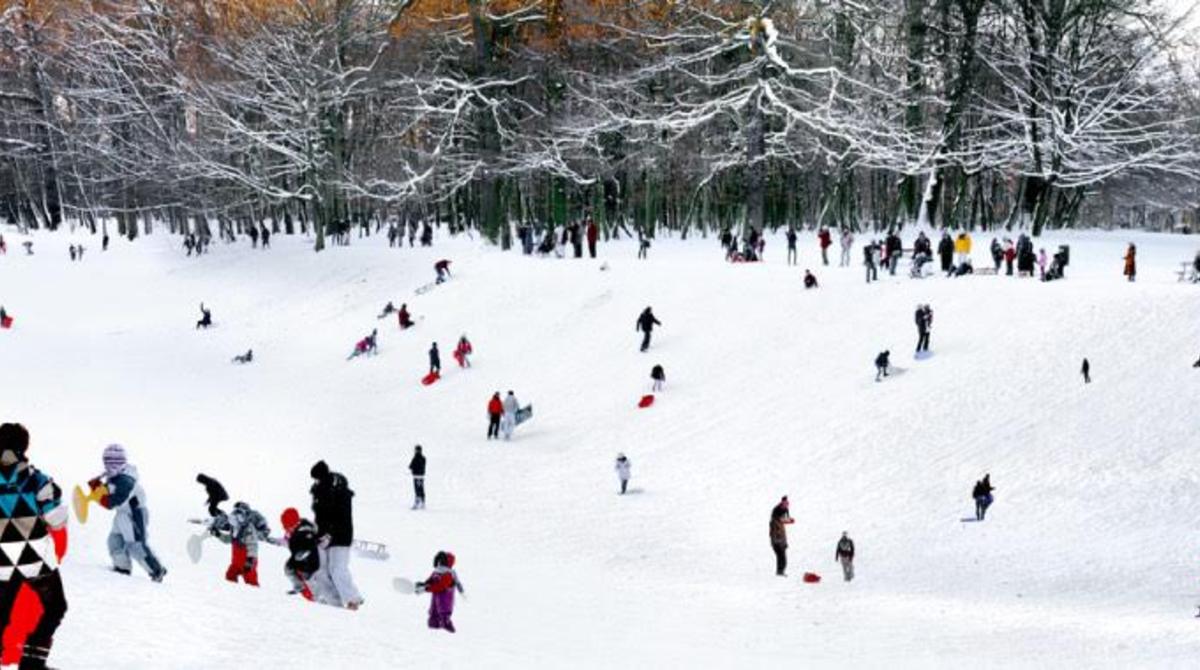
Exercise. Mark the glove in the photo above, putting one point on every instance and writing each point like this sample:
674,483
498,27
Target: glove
323,542
214,531
419,587
94,483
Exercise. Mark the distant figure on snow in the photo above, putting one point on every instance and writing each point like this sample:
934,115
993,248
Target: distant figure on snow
247,357
824,240
780,519
214,494
1131,262
442,585
924,319
366,346
205,317
495,409
881,365
417,467
1086,370
946,252
403,317
435,360
509,421
659,377
1197,363
844,554
463,351
646,323
5,321
809,280
442,268
791,245
622,468
643,244
982,493
870,258
387,309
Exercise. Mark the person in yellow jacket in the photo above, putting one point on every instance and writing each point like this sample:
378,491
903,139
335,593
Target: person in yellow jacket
962,248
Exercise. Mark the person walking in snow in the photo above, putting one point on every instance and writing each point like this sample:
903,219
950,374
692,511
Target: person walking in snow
121,492
463,351
205,318
946,252
982,493
622,468
304,557
824,240
435,360
1010,255
442,268
844,554
509,420
214,494
1131,262
1041,261
495,409
442,585
593,235
847,247
403,317
242,529
332,505
791,245
895,251
646,323
810,281
881,365
36,514
1086,371
870,259
643,243
659,377
780,519
417,467
924,319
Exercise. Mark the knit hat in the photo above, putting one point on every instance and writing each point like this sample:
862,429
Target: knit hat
114,458
319,471
290,518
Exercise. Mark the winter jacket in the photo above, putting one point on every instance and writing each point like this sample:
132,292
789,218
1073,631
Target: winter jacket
946,246
593,233
869,253
845,548
36,509
332,507
825,239
894,245
511,405
442,584
982,488
658,374
435,359
127,499
246,527
1130,262
881,361
647,322
779,520
495,407
622,468
922,246
417,465
962,245
303,546
920,319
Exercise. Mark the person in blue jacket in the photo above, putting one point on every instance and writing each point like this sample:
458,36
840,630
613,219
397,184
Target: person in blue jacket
122,493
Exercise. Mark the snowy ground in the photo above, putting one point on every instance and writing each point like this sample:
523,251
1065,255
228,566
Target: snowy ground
1088,557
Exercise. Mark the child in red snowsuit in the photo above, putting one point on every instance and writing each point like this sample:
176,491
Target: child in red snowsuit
462,351
441,585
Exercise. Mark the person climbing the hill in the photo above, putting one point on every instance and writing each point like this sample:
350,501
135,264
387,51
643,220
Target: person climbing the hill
332,505
881,365
1086,371
593,235
36,514
214,494
982,493
442,268
463,351
844,554
924,319
809,280
366,346
442,585
304,554
242,359
387,309
659,377
417,467
1131,262
435,360
646,323
870,259
780,519
495,409
509,421
205,318
847,247
242,529
946,252
121,491
622,468
403,317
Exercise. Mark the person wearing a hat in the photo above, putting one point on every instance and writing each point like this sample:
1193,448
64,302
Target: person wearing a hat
333,513
122,492
441,585
622,468
300,537
36,514
780,519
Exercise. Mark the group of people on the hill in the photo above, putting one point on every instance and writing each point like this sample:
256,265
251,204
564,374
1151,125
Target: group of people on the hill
574,234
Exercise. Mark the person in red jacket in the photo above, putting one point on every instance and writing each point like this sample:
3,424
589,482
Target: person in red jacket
495,410
1010,255
403,316
825,239
593,233
441,584
462,351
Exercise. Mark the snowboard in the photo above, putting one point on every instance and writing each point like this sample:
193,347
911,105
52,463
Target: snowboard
430,378
646,401
403,585
6,323
523,414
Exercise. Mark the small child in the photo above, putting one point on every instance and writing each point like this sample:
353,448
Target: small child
441,585
300,537
659,377
810,281
622,468
242,529
881,365
462,351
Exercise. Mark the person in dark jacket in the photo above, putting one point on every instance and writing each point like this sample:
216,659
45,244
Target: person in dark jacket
215,494
844,554
881,365
417,467
334,516
982,493
924,319
442,268
304,560
810,281
946,252
435,360
780,519
659,377
791,245
646,323
870,256
1086,370
403,316
895,249
997,253
205,318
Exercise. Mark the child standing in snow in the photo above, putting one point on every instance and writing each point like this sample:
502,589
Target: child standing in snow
122,492
881,365
441,585
622,468
495,409
300,537
659,377
780,519
242,529
463,351
844,554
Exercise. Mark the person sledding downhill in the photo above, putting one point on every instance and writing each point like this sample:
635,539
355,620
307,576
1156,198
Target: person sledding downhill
205,317
304,560
121,491
366,346
442,268
463,351
441,585
242,528
33,514
403,317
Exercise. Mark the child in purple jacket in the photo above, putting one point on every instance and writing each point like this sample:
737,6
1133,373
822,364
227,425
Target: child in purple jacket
441,585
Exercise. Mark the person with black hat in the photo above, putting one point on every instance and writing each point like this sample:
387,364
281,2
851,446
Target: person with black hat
417,467
334,516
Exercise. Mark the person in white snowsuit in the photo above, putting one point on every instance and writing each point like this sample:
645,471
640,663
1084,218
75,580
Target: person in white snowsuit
508,421
847,245
622,468
127,541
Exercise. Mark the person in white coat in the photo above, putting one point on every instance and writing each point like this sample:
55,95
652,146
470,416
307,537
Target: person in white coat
123,494
509,420
622,469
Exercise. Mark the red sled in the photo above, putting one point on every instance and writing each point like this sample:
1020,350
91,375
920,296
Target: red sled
811,578
430,378
6,323
646,401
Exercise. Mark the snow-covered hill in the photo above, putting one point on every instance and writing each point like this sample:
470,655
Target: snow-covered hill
1087,558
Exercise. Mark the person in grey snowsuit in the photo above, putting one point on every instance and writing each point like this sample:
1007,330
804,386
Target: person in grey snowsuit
508,421
844,554
242,528
127,541
622,468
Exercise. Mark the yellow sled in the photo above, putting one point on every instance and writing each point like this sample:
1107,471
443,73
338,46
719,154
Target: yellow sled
80,501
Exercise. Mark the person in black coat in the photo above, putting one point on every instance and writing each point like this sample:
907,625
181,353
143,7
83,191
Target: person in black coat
946,252
895,249
982,493
646,323
205,317
435,360
334,515
881,364
1086,369
215,492
304,552
417,467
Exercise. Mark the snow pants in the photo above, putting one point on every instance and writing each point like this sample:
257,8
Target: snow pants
333,582
127,542
872,273
624,484
845,260
824,255
780,558
493,426
982,503
508,422
792,256
49,590
418,491
241,566
645,340
847,568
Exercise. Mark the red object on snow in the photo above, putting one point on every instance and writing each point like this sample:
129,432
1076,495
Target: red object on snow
811,578
27,610
430,378
7,322
646,401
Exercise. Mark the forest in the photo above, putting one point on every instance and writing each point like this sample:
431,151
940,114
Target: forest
316,116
